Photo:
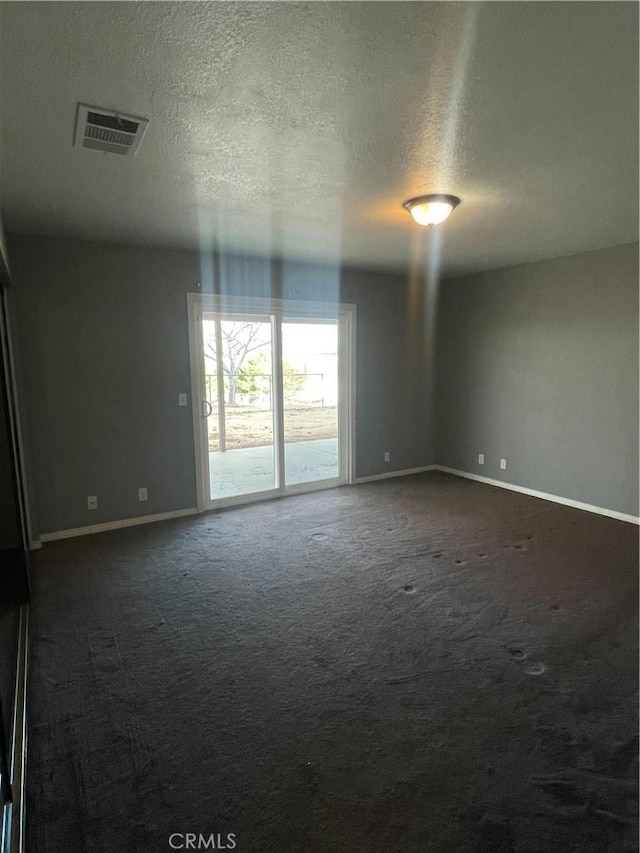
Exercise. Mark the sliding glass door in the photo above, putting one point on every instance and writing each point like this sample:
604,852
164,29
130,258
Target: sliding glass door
272,391
238,404
310,379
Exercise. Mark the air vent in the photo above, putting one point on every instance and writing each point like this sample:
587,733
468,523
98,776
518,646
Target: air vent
104,130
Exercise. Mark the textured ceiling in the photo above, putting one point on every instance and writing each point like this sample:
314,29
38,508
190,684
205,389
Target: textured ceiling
298,129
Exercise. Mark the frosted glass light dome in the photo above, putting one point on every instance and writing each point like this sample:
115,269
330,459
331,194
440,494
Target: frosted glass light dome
431,209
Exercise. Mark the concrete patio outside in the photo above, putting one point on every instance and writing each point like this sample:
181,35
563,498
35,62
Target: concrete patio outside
252,469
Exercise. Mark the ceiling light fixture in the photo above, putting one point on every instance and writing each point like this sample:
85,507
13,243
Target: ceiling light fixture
431,209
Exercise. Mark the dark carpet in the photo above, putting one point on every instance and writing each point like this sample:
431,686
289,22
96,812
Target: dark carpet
424,665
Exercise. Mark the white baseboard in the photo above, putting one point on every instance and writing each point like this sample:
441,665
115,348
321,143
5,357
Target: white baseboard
148,519
388,474
115,525
612,513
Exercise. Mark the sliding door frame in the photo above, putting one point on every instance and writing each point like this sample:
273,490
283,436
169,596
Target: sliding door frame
199,304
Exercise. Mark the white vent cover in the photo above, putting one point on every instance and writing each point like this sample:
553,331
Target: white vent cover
105,130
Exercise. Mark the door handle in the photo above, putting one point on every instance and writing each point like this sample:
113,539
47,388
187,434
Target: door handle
207,408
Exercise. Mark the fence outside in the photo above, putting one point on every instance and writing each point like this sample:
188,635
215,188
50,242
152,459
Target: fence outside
255,391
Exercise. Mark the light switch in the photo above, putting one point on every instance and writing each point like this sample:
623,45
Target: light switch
182,399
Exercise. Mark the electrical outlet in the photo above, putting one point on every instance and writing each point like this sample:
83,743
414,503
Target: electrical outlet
142,494
182,399
480,458
503,464
387,456
92,502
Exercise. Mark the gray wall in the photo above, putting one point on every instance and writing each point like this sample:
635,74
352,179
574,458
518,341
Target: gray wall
10,535
536,363
4,256
102,333
539,364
